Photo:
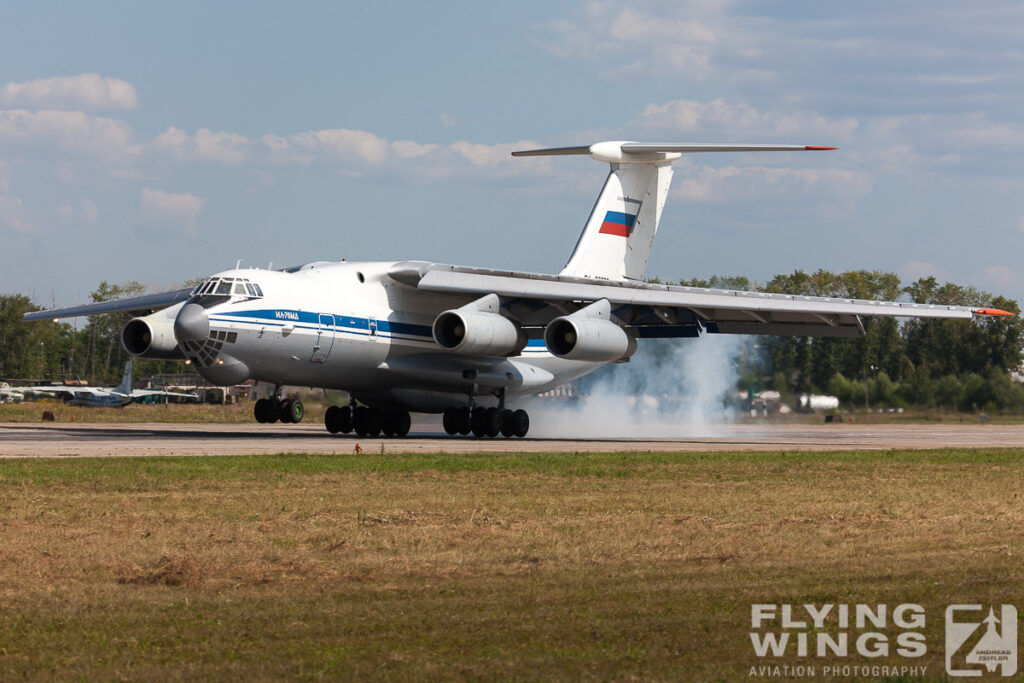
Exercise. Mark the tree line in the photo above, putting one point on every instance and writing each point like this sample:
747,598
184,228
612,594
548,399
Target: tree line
61,350
955,364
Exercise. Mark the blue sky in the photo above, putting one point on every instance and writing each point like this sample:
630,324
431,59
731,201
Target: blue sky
159,143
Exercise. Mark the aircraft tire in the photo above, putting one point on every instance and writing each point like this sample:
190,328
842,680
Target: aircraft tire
374,418
284,411
359,420
450,421
508,425
403,423
296,411
477,422
492,422
388,422
465,421
260,410
338,419
522,423
273,410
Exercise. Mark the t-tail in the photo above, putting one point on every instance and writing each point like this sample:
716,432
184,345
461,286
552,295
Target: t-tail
616,241
125,387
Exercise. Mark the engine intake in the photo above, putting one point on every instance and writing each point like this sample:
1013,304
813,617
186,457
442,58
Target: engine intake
152,336
478,329
590,335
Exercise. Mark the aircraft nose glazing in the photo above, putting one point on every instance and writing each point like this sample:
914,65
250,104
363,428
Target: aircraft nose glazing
192,323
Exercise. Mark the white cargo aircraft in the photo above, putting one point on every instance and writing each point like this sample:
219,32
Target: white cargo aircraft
100,397
470,342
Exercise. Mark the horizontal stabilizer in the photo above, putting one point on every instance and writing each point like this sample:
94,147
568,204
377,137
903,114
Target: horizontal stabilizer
690,148
624,151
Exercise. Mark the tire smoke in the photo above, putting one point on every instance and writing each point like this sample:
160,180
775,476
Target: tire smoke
670,388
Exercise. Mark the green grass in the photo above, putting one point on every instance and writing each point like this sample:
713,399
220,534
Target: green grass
498,566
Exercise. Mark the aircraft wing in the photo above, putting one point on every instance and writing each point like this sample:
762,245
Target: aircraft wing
657,310
61,389
146,302
139,393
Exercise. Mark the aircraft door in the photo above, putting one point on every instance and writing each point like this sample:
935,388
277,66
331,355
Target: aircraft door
324,339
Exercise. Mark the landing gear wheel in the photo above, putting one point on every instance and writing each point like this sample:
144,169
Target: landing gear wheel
464,421
284,411
273,410
521,420
492,422
403,423
478,424
296,411
338,419
508,427
374,418
387,423
261,410
359,419
450,420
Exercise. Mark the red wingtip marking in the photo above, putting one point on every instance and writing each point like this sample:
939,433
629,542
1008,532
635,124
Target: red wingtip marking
818,148
991,311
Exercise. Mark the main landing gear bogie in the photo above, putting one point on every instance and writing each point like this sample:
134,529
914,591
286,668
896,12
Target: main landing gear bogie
486,421
366,421
269,410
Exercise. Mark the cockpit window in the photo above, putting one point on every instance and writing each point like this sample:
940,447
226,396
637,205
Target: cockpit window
218,289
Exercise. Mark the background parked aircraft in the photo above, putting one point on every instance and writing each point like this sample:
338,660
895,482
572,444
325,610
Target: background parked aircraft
97,397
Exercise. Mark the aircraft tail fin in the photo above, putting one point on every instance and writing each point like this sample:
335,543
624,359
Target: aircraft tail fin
618,236
125,387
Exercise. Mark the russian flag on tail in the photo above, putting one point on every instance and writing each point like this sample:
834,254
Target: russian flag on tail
618,223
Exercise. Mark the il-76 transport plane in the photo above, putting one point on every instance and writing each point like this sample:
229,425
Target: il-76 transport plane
470,342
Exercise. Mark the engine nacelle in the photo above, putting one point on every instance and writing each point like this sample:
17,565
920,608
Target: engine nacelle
478,329
152,336
590,335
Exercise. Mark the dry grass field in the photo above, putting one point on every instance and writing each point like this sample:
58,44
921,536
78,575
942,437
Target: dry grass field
516,566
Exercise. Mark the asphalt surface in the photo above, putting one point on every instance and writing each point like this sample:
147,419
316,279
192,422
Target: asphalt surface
69,440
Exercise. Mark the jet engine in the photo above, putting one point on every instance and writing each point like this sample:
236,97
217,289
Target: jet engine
590,335
152,336
478,329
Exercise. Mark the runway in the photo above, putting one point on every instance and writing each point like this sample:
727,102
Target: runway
19,440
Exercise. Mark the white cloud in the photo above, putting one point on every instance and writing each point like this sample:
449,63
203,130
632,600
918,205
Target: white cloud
1000,275
448,120
178,210
407,149
837,187
86,214
218,147
67,131
721,117
85,91
14,215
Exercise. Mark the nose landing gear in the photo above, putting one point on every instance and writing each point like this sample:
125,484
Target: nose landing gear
269,410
